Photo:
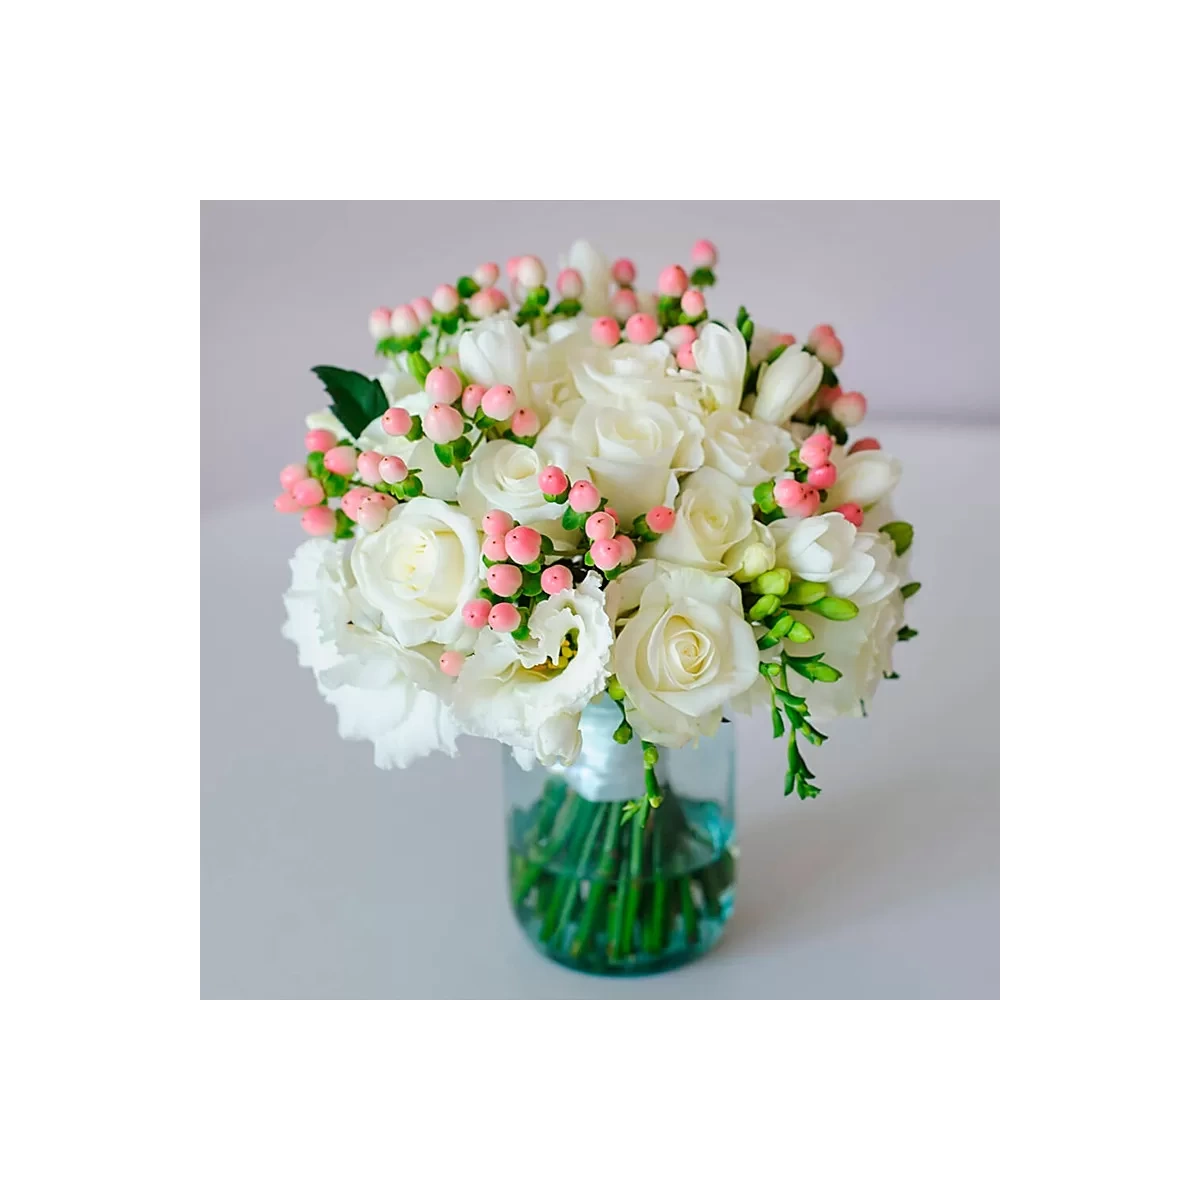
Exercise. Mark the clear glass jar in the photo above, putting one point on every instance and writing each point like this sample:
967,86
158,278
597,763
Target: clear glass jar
612,896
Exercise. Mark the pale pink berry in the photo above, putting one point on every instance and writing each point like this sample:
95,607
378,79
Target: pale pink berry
524,544
397,422
641,329
673,281
864,444
686,358
624,272
319,522
826,345
531,273
504,617
307,492
353,499
368,466
704,253
320,440
497,300
606,553
555,579
823,477
341,460
600,527
393,469
787,492
292,473
482,304
497,522
504,579
692,302
451,662
443,424
499,402
807,504
583,496
422,308
443,385
814,450
624,304
285,502
605,332
553,481
472,395
475,612
775,340
379,323
486,274
679,336
493,547
849,408
373,512
510,267
628,549
525,423
569,283
660,519
852,512
405,321
445,299
612,512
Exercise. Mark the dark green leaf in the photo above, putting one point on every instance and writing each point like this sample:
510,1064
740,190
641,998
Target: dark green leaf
905,634
357,399
466,286
910,589
702,277
828,378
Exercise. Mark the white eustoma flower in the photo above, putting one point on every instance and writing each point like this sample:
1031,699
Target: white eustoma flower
787,384
864,478
828,549
504,475
529,694
419,569
749,451
494,352
720,356
593,266
685,653
711,516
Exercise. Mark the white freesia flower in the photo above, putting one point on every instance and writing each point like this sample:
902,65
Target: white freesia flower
419,569
720,356
864,478
872,573
686,653
504,475
753,555
749,451
593,266
529,694
711,517
787,384
494,352
828,549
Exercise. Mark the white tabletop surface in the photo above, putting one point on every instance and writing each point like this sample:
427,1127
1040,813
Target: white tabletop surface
324,877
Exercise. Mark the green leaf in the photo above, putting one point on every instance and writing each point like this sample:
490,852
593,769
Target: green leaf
764,495
418,366
567,308
905,634
836,429
344,528
466,286
910,589
571,519
901,533
828,378
444,453
357,399
835,608
776,722
702,277
890,675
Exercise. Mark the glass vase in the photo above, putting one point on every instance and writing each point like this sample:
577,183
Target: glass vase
616,896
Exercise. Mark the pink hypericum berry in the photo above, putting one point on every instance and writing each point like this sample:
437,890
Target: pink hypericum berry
692,302
285,502
583,497
686,357
379,323
555,579
393,469
641,329
307,492
373,512
443,424
475,612
864,444
600,527
445,298
673,281
486,274
504,617
292,473
787,492
823,477
814,450
605,332
826,345
341,460
397,422
849,408
531,273
353,499
496,298
497,522
525,423
679,336
628,549
524,544
368,466
493,547
553,481
319,440
451,662
499,402
704,253
422,308
504,579
472,395
483,304
624,304
319,522
443,385
606,553
808,503
405,321
569,283
624,272
660,519
510,267
612,512
852,512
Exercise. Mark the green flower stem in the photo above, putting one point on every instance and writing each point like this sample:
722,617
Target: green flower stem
599,886
691,925
654,939
542,854
616,907
565,884
638,833
584,857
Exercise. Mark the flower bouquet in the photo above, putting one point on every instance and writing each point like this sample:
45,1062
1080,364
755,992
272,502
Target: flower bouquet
588,524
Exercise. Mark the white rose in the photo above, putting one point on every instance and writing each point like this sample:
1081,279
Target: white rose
419,569
828,549
864,478
494,352
753,555
504,475
529,694
593,266
749,451
789,382
686,653
627,373
711,517
720,356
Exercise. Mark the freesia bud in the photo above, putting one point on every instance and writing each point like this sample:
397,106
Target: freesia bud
422,308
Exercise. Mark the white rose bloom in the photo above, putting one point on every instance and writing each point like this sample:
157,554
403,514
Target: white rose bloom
593,266
627,373
504,475
787,384
747,450
529,694
686,653
753,555
494,352
624,594
419,569
547,366
828,549
864,478
711,517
